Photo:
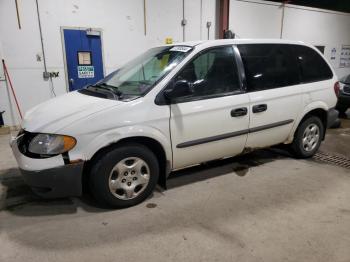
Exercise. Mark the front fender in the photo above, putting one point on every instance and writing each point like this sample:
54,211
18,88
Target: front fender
112,136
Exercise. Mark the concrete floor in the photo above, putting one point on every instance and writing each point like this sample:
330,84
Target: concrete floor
264,206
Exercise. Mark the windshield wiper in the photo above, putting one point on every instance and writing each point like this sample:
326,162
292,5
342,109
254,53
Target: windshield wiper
112,89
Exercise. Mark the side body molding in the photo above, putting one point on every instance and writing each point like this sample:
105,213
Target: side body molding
233,134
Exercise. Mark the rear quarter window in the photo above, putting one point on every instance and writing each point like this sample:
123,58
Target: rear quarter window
312,66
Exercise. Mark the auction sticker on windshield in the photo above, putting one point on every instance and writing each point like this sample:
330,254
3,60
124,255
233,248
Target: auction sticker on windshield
86,72
181,49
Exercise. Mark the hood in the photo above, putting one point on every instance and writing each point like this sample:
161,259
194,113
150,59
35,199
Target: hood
57,113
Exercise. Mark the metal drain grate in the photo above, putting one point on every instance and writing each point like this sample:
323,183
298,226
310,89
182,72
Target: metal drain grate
332,159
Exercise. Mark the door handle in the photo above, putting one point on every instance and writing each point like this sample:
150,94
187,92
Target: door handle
242,111
259,108
71,81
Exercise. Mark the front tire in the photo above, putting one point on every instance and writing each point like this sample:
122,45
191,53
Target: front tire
124,176
308,137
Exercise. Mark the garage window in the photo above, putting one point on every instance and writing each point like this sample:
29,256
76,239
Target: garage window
269,66
84,58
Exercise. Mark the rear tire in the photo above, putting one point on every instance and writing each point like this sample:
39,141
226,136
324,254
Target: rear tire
124,176
308,137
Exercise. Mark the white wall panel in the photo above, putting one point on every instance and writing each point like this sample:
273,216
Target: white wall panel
262,19
331,30
121,21
164,20
123,34
255,20
208,15
192,15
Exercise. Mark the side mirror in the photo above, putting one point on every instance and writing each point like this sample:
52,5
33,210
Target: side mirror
180,88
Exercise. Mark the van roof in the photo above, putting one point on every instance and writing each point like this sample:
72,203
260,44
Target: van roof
239,41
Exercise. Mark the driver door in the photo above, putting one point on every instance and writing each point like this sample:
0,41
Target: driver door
212,122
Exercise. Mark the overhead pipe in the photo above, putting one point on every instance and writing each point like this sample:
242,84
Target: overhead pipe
144,17
201,19
46,75
282,18
208,28
18,18
183,22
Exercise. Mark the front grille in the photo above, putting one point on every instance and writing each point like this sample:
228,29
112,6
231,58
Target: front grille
346,89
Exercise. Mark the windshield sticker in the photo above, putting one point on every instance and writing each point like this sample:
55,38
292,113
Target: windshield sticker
181,48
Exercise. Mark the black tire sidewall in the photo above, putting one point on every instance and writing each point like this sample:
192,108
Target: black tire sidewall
99,177
298,141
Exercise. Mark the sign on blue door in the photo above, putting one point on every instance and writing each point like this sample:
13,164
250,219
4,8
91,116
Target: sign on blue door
84,58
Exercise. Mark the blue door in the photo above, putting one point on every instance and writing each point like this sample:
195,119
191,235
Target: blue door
84,57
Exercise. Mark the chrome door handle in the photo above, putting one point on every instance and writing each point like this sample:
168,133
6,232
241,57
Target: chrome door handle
71,81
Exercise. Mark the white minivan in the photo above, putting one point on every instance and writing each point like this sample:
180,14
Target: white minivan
172,107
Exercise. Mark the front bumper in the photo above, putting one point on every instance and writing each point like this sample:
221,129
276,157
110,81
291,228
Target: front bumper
56,182
50,177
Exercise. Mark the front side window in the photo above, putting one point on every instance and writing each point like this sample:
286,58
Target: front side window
211,73
268,66
312,65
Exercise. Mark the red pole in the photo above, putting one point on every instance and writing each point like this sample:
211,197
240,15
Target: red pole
223,17
7,76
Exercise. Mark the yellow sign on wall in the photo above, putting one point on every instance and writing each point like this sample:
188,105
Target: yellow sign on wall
168,40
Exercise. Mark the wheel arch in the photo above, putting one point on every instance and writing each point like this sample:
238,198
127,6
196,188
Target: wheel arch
151,143
316,109
318,112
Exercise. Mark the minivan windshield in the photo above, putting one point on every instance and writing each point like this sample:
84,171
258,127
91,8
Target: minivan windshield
139,75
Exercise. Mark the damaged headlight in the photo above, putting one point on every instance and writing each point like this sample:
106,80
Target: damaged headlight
48,144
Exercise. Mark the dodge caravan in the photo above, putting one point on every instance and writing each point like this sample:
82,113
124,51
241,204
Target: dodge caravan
172,107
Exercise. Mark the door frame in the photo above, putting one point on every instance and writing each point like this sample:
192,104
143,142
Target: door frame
62,28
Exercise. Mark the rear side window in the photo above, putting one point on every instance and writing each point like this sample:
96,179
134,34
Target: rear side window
312,66
269,66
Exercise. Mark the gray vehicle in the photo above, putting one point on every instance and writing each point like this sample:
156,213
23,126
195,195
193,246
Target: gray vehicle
344,95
